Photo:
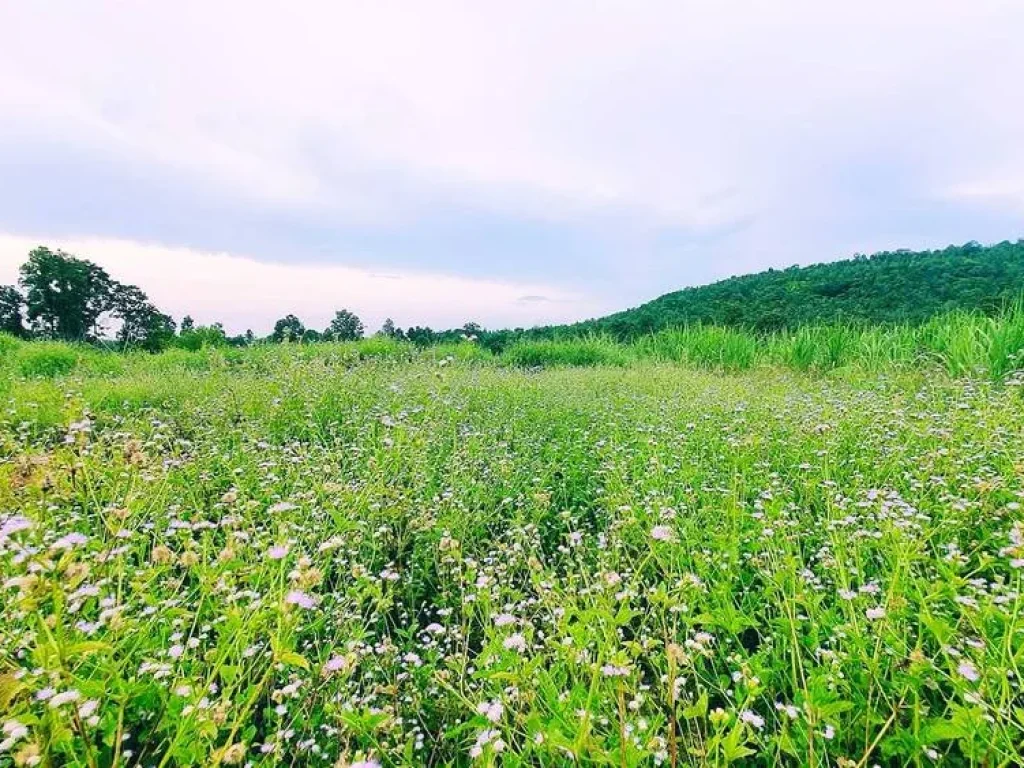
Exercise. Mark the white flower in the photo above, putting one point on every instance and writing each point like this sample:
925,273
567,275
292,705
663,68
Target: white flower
301,599
875,613
176,651
791,712
60,699
752,718
504,619
278,552
88,709
662,533
364,764
515,642
968,671
69,541
282,506
492,710
13,525
612,670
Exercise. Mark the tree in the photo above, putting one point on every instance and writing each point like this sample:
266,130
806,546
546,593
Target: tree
344,327
187,323
141,323
388,328
288,328
11,315
65,295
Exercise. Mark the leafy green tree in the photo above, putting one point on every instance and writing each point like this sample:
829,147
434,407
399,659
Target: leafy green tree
142,325
202,336
388,328
288,328
65,295
187,323
344,327
12,318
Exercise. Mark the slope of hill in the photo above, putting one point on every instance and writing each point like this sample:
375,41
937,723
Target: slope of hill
888,287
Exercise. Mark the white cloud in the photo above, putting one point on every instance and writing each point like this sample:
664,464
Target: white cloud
814,125
243,293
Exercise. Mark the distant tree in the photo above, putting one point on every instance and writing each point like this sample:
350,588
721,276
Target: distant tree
250,337
288,328
142,325
344,327
187,323
311,336
65,295
421,336
202,336
388,328
12,318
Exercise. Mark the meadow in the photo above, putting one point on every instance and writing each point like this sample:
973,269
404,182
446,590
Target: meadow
703,548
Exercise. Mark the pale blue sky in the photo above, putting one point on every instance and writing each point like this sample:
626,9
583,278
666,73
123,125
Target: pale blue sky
543,161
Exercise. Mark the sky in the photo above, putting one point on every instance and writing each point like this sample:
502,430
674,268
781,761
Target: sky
510,163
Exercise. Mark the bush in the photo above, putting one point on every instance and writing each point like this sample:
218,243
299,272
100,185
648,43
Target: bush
588,351
46,359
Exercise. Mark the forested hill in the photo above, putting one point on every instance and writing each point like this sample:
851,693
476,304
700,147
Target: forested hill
900,286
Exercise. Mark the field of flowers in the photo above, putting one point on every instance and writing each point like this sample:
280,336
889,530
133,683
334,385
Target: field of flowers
306,560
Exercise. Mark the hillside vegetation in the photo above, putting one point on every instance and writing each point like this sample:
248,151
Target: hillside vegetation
889,287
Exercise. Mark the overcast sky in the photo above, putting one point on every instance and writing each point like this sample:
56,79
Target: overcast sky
506,162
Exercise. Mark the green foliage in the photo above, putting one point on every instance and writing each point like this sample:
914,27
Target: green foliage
344,327
586,351
232,556
12,317
891,288
46,359
65,295
288,328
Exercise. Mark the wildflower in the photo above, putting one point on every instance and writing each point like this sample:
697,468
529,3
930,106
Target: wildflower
161,555
752,718
369,763
88,709
612,670
69,541
492,710
515,642
281,506
790,711
335,664
14,731
875,613
278,552
504,619
234,754
13,525
301,599
28,756
968,671
60,699
662,533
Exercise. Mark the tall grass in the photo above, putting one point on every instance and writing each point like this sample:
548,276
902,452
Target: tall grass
960,343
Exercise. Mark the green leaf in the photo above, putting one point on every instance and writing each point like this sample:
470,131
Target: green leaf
293,659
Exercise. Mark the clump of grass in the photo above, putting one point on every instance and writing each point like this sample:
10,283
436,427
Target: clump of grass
584,351
46,359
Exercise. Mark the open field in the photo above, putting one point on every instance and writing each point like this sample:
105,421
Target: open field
320,556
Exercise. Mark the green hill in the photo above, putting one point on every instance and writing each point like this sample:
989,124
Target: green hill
889,287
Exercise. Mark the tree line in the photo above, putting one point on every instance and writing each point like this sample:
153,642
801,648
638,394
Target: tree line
63,297
60,296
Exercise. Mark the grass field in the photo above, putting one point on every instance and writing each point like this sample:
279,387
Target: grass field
348,555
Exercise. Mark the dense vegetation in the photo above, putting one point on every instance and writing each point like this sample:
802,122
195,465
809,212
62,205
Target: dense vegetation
366,554
886,289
